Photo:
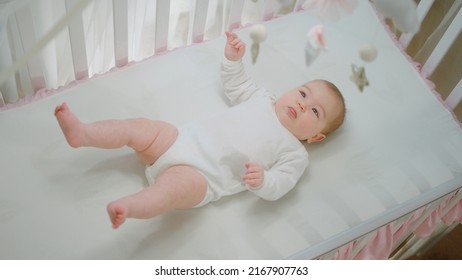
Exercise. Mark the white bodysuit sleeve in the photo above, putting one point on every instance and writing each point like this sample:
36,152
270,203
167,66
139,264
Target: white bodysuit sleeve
283,176
237,85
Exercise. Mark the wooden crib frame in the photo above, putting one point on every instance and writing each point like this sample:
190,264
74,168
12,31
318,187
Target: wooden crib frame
25,75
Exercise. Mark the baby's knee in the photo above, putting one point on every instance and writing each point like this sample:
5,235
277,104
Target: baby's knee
162,136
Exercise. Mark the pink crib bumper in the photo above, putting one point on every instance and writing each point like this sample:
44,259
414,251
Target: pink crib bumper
440,214
381,242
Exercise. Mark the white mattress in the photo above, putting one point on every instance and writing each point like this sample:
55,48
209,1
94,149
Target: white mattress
398,150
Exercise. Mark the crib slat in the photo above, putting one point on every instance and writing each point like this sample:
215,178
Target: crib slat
24,83
29,49
422,10
162,17
298,5
78,48
444,44
120,32
215,19
199,19
26,30
455,97
8,90
270,9
235,15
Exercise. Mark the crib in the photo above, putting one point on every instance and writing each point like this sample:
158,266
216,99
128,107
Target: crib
385,186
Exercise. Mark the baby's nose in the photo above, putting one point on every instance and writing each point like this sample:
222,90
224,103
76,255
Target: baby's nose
302,106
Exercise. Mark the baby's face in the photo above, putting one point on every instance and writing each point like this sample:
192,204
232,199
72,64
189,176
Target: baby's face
306,110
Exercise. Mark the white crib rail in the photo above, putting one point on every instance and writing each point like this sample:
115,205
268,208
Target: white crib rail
422,9
162,19
120,19
455,97
24,48
23,71
441,48
445,43
28,39
77,42
199,19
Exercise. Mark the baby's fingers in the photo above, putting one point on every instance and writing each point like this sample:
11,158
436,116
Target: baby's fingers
230,36
254,179
253,167
233,40
254,174
251,176
253,182
239,45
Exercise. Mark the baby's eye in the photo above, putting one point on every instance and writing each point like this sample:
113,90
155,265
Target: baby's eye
315,111
302,94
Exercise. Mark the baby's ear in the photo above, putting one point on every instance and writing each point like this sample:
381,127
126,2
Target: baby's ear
317,138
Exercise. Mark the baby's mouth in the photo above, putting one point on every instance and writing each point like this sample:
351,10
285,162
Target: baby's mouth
292,113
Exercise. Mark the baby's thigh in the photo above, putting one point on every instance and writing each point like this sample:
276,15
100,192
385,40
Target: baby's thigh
184,184
164,135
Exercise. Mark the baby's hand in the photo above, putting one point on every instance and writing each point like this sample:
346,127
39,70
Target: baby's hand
254,175
235,48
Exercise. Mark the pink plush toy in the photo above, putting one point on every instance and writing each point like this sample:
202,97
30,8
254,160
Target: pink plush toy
314,44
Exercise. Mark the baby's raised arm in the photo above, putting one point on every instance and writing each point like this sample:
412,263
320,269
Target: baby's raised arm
238,87
234,48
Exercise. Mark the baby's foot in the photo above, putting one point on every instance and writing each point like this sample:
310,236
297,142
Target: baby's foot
117,213
71,126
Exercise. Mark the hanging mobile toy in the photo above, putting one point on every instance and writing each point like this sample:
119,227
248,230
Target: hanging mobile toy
258,34
358,76
402,12
314,44
368,53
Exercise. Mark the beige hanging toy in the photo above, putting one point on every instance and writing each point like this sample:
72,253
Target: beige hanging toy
368,53
258,34
315,43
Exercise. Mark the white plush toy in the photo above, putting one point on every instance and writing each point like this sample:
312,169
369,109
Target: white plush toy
258,34
402,12
315,43
367,52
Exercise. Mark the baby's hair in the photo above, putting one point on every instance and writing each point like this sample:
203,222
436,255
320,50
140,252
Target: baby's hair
337,121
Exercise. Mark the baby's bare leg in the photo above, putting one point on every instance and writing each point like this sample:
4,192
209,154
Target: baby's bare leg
148,138
179,187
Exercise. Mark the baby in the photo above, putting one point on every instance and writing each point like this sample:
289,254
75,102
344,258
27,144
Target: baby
255,146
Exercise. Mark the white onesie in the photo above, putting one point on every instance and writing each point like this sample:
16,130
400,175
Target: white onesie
219,146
